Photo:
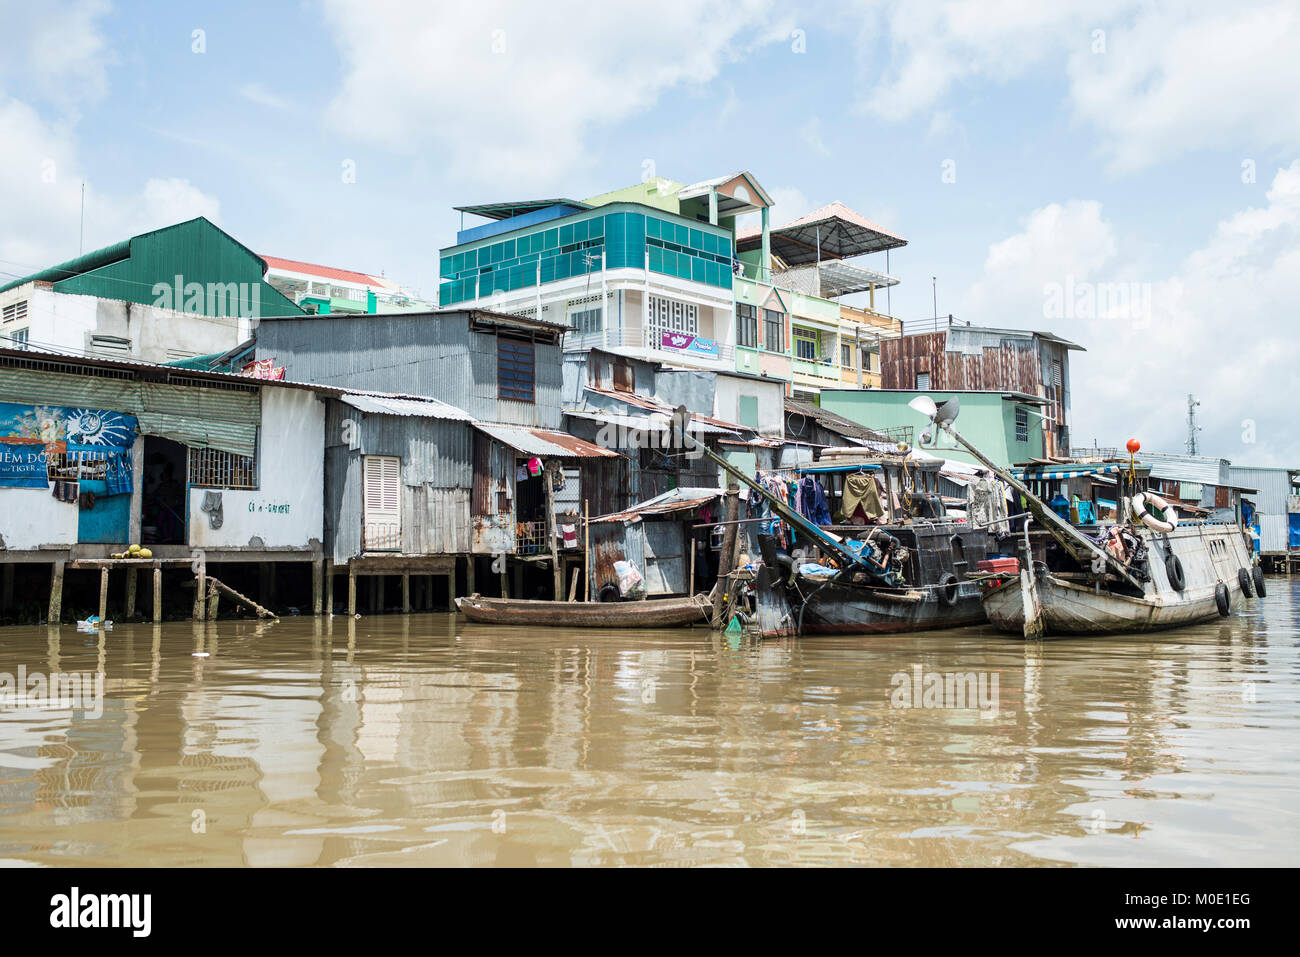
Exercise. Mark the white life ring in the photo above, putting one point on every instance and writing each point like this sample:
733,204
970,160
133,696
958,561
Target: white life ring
1139,503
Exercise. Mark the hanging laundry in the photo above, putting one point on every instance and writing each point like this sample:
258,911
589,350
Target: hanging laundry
570,535
521,474
66,491
534,466
812,501
861,494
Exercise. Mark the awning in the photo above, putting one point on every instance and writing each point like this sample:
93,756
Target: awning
674,500
543,442
1066,471
646,423
392,405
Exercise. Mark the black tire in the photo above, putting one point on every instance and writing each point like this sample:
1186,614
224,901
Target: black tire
1222,600
1244,580
1174,569
609,593
947,589
1258,574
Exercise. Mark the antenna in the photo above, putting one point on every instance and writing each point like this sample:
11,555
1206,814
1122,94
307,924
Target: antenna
81,241
1192,427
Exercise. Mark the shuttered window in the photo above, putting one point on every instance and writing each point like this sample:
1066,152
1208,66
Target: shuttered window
15,311
381,488
515,370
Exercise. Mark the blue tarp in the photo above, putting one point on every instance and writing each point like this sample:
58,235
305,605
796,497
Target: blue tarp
1293,537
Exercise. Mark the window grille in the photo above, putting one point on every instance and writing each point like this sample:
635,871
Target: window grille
746,326
515,370
15,311
216,468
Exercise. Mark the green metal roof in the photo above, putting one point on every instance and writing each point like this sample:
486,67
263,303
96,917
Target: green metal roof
196,251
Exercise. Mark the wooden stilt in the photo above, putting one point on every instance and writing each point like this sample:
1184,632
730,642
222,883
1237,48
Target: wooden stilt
214,598
352,591
505,584
242,599
200,590
103,593
157,594
56,593
317,586
470,584
728,544
557,573
573,586
586,552
406,593
329,586
132,583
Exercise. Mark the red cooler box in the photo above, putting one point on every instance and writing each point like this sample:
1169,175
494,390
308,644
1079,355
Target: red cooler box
1000,566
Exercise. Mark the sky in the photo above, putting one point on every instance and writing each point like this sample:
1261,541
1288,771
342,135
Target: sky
1125,175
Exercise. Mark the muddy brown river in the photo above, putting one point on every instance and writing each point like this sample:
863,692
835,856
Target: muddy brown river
431,741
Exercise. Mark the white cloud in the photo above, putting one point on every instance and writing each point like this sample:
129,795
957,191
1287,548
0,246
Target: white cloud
55,51
811,133
1152,80
1219,326
257,93
512,93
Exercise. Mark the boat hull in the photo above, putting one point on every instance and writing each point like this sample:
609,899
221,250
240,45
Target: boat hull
846,610
1211,555
651,613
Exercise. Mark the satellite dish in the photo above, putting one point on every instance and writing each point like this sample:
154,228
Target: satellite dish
925,405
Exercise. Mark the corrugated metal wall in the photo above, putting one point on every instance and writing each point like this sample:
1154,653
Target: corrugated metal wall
1274,486
418,354
436,474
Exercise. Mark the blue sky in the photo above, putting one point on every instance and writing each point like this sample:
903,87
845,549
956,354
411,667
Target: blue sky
1097,144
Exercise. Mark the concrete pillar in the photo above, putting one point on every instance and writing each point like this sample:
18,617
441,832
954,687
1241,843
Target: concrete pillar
352,591
132,583
329,586
406,593
157,594
765,266
317,586
103,593
56,593
214,598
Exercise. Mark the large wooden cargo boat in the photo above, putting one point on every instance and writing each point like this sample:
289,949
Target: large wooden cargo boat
651,613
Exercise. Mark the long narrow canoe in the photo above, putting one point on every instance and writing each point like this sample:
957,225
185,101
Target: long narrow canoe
650,613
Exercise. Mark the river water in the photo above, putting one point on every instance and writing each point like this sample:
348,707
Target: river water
431,741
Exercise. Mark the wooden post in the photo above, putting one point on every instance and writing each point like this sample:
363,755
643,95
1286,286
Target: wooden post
406,593
132,583
573,586
317,586
214,597
505,584
200,589
728,544
557,573
690,585
329,585
103,593
470,584
157,594
56,593
586,552
352,591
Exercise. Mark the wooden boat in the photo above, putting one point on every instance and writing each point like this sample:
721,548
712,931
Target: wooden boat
1211,555
1165,574
649,613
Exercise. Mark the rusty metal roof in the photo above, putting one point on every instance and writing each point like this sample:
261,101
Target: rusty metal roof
655,405
674,500
379,403
542,442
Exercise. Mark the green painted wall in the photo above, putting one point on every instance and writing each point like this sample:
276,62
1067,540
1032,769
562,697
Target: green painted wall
987,420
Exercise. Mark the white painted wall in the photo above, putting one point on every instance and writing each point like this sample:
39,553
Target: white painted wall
67,322
287,510
771,402
30,518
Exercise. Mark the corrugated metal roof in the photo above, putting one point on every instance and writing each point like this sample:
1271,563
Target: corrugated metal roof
674,500
541,442
1186,468
639,401
380,404
644,423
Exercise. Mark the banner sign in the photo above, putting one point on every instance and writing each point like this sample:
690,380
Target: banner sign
28,433
685,342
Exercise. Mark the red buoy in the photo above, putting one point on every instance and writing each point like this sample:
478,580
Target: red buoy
1133,446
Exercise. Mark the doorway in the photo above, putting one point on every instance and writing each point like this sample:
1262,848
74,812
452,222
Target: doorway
164,500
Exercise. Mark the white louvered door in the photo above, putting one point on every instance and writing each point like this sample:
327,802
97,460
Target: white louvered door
381,491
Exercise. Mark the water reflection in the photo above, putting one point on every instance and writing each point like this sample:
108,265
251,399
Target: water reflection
427,740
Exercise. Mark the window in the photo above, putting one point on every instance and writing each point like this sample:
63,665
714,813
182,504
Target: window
846,356
18,338
1022,424
805,345
866,361
515,370
669,315
110,346
773,330
381,503
587,320
15,311
747,409
746,326
213,468
923,380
